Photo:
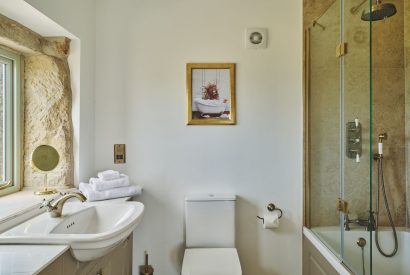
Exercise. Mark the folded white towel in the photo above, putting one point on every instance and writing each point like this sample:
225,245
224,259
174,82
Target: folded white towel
108,175
92,195
101,185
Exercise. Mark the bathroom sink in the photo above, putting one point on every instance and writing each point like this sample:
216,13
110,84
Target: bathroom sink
91,229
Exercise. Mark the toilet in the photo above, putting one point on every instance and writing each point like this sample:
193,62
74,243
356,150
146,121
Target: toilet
210,235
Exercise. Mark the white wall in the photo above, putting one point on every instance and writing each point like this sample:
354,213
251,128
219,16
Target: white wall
78,17
111,80
142,49
140,99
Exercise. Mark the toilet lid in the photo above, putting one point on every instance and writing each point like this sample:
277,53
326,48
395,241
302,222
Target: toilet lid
211,261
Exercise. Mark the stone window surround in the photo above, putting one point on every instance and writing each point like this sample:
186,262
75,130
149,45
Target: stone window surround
47,99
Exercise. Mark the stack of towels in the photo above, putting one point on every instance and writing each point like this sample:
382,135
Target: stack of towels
109,185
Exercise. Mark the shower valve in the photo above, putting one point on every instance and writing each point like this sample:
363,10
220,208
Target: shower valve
354,140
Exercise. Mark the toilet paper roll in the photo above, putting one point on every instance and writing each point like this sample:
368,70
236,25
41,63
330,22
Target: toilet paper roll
271,220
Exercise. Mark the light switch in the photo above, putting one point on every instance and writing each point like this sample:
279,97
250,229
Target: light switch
119,153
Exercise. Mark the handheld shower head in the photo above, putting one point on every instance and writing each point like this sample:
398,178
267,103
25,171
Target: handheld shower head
379,11
381,137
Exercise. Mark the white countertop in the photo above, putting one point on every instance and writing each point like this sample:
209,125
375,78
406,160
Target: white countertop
28,259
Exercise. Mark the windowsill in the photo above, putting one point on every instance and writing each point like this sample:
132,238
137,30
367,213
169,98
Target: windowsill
19,202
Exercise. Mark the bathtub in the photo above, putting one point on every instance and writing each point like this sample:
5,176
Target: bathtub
327,241
210,106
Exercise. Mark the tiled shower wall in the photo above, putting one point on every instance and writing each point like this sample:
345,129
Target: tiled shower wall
324,120
388,109
407,85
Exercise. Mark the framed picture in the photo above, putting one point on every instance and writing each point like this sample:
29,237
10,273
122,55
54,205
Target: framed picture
211,93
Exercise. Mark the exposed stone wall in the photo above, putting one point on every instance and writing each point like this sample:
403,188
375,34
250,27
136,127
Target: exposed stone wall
47,99
22,39
47,111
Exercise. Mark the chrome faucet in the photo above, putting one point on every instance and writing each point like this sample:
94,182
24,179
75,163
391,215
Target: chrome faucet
55,209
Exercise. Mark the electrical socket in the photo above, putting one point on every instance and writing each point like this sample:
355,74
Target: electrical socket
119,153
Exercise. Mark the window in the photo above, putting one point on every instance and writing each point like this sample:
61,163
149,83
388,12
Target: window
10,109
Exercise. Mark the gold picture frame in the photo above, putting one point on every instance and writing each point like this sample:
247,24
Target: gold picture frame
211,93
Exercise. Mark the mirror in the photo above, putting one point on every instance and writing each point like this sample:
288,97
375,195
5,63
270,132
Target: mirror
45,159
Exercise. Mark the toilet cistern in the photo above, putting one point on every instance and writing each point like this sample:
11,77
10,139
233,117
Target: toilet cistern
210,235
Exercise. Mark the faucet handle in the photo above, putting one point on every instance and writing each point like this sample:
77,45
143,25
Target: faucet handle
47,203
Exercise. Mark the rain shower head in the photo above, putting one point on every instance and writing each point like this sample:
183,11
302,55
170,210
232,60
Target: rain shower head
379,11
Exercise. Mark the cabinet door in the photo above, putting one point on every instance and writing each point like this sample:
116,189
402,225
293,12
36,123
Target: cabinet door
118,262
98,270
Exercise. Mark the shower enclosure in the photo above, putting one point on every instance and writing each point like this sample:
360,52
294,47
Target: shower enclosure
357,133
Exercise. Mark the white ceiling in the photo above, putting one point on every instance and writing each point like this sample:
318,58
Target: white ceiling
30,17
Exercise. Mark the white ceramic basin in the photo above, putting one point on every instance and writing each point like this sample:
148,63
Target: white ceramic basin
91,230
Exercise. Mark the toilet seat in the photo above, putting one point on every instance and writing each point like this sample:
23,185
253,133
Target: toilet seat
211,261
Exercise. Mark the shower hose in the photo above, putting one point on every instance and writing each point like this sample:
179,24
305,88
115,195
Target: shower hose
363,262
380,185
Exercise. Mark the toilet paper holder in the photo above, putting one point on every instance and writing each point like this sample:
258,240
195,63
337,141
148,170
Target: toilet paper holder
271,207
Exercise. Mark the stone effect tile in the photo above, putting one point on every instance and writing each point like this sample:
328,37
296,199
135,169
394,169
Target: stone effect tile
389,109
312,9
324,121
407,95
388,39
389,117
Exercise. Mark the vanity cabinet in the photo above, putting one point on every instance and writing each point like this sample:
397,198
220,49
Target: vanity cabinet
117,262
